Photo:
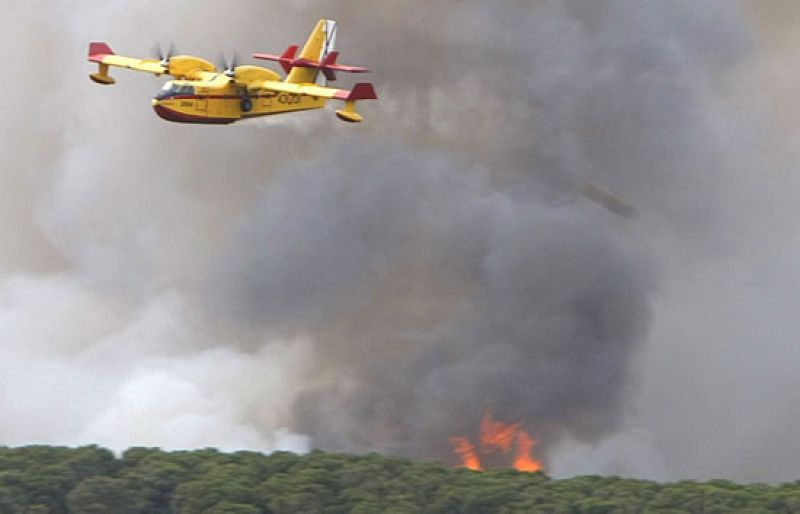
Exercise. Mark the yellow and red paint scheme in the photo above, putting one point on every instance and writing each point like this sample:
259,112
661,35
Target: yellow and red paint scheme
220,101
202,94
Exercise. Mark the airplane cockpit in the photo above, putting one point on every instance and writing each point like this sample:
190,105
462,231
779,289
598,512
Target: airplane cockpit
171,90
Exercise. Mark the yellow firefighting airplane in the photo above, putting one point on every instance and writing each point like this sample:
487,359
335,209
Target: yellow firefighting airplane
202,94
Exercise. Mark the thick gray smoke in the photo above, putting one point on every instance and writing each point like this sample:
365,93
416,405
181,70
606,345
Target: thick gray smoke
299,283
433,297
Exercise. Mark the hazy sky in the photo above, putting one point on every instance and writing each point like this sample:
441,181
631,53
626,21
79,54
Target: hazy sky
302,282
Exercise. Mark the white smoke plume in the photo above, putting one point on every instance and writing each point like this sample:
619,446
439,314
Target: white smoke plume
379,287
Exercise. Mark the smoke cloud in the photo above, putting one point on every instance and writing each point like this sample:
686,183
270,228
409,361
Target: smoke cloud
299,283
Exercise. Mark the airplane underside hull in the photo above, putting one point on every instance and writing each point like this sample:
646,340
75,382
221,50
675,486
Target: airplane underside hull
178,117
227,110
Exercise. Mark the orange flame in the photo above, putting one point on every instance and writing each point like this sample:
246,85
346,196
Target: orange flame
524,460
466,450
502,437
496,435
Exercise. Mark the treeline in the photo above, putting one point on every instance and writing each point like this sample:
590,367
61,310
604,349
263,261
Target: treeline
91,480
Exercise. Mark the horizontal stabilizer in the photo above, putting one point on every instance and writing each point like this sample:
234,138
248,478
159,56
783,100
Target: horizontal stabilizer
286,60
328,66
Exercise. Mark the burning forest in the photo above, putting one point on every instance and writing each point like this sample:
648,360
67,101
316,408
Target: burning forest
498,438
297,285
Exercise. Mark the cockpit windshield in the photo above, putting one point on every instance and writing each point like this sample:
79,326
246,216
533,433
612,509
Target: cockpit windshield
171,90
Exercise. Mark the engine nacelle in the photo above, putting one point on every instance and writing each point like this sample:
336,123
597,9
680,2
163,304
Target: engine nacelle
249,74
184,66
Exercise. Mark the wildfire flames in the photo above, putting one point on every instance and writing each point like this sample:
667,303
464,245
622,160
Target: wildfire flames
497,436
466,450
524,460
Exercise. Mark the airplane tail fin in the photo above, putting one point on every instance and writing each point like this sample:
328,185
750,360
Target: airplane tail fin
318,55
316,50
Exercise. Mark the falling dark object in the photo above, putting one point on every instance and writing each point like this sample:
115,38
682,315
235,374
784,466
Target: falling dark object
605,199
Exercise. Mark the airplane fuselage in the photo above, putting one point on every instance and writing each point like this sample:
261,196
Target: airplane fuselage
220,101
200,92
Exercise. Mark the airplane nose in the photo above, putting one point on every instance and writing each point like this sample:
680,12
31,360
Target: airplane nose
165,112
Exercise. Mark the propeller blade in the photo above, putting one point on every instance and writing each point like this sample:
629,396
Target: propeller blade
163,56
221,62
157,51
230,68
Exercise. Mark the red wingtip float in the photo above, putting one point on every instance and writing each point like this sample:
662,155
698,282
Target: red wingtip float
361,91
98,50
97,53
201,93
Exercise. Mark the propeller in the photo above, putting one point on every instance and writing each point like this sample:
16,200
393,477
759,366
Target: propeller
163,56
229,70
229,67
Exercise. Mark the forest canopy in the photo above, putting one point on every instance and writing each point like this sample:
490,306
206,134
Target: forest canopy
55,480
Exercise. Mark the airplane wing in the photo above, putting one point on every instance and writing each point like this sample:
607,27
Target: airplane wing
181,67
298,89
102,54
361,91
146,65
